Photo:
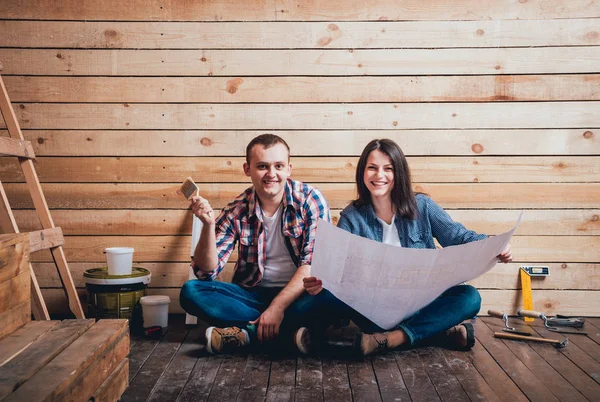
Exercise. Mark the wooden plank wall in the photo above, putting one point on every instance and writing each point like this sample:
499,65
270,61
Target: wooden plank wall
496,103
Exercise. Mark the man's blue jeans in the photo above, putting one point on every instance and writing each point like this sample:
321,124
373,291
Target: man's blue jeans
455,305
225,304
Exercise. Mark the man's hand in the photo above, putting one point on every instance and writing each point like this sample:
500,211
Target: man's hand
506,255
312,285
268,324
202,209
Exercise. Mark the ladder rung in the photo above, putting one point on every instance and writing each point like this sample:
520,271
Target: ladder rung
45,239
16,147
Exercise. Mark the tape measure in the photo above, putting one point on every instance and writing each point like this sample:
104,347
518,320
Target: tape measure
526,292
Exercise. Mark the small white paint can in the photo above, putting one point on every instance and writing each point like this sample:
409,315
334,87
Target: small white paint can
119,260
155,310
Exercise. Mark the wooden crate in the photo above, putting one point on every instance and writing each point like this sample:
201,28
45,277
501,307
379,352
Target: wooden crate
53,360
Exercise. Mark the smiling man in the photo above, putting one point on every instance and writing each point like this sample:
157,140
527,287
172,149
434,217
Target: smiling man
274,224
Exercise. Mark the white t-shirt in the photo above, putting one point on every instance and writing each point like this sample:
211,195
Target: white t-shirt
279,266
390,233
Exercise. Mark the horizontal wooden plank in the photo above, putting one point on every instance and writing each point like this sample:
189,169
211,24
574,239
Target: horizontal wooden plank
45,239
312,143
357,116
567,276
273,10
568,302
548,60
485,169
15,343
304,89
451,195
177,248
148,222
293,35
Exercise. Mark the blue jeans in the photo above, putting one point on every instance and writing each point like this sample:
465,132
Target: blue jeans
455,305
226,304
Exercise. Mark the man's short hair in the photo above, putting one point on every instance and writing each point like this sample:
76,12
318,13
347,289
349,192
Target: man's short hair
267,141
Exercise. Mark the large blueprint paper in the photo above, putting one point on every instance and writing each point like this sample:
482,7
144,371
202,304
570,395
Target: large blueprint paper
387,284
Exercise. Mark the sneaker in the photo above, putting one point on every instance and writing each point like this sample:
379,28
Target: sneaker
368,344
222,340
302,340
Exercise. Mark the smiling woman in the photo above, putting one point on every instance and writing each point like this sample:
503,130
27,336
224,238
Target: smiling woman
387,211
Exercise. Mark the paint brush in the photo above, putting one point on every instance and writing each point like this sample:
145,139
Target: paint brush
189,188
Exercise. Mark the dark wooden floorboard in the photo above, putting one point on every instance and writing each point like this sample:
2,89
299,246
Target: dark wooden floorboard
592,326
228,378
362,380
471,380
547,375
415,376
175,376
309,379
255,380
336,383
561,363
389,379
282,382
577,355
445,382
177,367
518,372
152,369
201,379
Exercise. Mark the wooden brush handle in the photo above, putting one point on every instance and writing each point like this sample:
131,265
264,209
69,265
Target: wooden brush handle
530,313
496,313
505,335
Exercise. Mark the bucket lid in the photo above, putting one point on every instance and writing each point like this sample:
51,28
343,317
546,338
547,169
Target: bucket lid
155,300
119,250
100,276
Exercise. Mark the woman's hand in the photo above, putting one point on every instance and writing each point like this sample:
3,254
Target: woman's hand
312,285
202,209
506,255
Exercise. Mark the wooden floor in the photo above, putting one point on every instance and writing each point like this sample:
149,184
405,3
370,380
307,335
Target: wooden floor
177,367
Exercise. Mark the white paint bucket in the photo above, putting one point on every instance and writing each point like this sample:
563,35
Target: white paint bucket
119,260
155,310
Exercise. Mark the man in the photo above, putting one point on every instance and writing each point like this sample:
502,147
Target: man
274,222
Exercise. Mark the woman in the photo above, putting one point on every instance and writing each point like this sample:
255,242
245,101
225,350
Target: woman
388,211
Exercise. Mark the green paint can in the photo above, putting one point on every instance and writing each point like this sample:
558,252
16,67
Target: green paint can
116,296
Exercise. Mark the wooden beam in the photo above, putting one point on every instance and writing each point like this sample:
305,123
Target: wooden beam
310,116
16,147
448,195
298,10
39,201
45,239
467,61
476,142
302,35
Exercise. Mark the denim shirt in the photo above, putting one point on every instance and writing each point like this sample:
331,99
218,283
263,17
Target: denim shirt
431,221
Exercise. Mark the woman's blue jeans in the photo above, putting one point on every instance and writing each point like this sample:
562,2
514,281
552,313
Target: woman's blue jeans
225,304
452,307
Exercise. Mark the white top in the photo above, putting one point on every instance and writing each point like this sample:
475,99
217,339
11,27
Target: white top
279,266
390,233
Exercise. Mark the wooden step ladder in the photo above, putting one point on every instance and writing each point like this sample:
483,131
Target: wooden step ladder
50,237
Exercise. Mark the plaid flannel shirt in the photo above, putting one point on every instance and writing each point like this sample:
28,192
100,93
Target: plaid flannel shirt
242,222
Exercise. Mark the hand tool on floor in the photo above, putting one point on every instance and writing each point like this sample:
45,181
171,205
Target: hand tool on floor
566,321
557,344
504,317
526,273
537,314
